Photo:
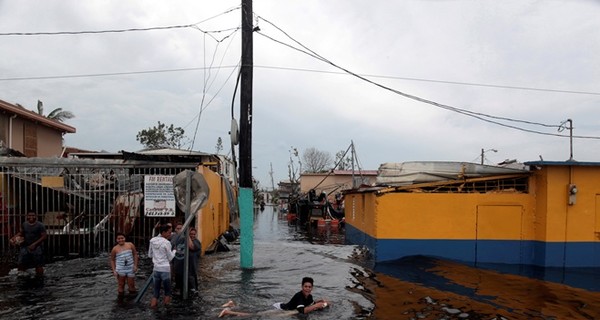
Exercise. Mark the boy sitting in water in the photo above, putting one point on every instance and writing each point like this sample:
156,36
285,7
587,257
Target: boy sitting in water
301,302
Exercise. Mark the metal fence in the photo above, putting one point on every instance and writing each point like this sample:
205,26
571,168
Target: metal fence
82,202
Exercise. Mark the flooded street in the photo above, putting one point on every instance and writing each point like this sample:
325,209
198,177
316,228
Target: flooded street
85,288
415,288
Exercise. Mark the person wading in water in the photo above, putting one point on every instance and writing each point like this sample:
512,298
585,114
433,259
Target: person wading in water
124,264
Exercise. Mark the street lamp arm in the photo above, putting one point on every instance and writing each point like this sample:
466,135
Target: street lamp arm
483,151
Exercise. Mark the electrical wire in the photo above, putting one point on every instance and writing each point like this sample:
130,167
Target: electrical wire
335,166
193,25
125,73
477,115
209,68
302,70
435,81
92,31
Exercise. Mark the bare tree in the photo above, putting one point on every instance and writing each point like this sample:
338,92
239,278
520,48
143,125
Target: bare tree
343,161
219,146
293,170
316,160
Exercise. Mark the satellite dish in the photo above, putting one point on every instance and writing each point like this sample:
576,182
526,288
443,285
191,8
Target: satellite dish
234,133
199,190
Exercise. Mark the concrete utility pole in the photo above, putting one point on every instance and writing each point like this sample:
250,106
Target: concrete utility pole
482,155
272,181
246,197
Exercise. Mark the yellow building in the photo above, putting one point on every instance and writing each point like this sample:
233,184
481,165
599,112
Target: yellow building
548,215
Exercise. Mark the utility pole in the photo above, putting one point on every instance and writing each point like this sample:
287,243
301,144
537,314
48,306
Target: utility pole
353,156
271,174
482,155
246,197
570,139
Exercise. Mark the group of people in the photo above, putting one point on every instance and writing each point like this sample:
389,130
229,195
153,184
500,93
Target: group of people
169,247
167,250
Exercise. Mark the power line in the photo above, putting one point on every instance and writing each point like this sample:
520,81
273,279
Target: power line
57,33
91,75
477,115
92,31
468,113
296,69
206,78
436,81
345,71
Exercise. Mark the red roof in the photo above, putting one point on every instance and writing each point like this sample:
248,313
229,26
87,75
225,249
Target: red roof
34,117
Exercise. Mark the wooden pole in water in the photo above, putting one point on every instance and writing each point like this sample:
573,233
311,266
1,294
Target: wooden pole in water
246,203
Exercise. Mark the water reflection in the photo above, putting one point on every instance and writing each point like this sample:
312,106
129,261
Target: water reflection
428,285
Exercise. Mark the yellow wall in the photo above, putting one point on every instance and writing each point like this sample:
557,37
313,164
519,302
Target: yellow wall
575,222
453,215
213,218
359,211
543,214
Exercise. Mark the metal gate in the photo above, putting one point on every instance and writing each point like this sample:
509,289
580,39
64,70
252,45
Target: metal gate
82,202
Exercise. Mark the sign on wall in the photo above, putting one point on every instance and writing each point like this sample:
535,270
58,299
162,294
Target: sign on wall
159,198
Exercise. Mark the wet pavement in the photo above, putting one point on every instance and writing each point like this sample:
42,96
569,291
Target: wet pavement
413,288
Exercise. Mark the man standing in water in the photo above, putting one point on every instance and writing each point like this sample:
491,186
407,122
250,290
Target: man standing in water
31,238
161,253
124,264
174,271
195,247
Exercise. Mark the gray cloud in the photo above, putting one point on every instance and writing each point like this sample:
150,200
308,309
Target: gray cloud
550,45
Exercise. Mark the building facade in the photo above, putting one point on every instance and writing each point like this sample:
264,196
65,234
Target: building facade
29,133
546,216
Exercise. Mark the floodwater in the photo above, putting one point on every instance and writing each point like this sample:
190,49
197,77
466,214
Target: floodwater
414,288
85,288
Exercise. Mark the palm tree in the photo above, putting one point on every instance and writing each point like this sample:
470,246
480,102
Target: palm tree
57,114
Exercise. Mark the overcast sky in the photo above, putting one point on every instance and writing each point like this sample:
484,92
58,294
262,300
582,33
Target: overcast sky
535,61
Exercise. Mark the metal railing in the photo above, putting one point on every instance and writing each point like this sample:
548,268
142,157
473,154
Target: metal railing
82,202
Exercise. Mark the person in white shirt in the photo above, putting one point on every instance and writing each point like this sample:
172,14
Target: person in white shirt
161,253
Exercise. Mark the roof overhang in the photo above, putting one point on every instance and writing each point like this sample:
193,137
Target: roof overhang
34,117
